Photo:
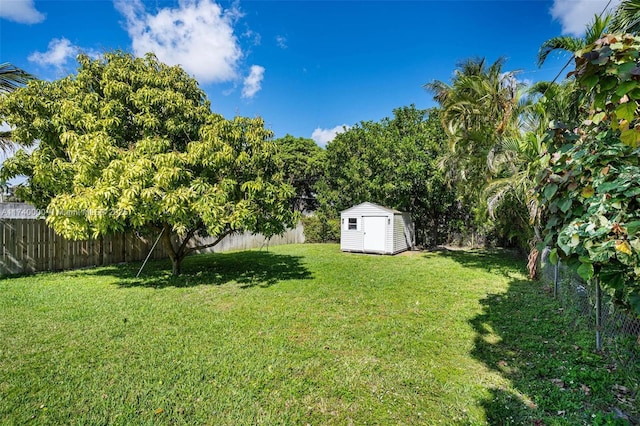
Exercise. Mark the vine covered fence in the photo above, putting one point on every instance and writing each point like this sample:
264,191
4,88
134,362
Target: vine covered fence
615,331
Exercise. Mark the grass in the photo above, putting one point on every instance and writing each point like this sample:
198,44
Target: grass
301,334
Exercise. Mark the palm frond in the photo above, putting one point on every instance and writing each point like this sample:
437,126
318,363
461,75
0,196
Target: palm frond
626,18
12,77
597,28
564,43
439,89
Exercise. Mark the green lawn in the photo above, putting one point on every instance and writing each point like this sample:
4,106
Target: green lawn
301,334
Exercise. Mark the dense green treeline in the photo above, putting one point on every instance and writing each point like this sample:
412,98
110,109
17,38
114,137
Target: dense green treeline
129,143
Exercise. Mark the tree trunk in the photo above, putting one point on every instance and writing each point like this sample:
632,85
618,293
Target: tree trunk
178,254
174,255
175,266
534,254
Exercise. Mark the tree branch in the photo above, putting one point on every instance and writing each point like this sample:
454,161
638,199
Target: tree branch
220,238
181,249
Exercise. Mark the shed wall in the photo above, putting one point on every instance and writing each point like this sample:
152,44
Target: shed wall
353,240
402,232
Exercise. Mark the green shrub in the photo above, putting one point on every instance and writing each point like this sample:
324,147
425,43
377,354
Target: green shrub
320,229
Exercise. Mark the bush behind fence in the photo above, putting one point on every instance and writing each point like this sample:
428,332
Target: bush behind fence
29,246
615,330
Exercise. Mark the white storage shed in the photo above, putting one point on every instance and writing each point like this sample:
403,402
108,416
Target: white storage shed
371,228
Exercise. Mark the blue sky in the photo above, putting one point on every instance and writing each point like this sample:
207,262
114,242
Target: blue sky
307,67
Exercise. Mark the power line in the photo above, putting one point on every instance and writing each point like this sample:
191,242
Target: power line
570,59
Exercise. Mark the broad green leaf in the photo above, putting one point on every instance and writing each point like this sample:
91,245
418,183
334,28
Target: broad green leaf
632,192
587,192
626,111
600,60
608,82
633,227
626,87
635,93
586,271
553,256
550,190
611,276
630,137
584,259
608,186
590,81
565,204
634,301
597,118
600,100
624,69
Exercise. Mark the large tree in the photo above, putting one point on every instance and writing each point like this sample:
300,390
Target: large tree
393,162
130,143
480,108
302,167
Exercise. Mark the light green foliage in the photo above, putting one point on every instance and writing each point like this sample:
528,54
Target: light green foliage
132,144
590,190
393,162
318,228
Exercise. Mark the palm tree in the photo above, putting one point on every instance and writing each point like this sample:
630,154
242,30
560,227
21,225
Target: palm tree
497,138
516,160
479,108
593,32
11,78
626,18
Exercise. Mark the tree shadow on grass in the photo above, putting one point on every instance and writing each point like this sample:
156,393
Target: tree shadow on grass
500,261
548,358
545,354
247,269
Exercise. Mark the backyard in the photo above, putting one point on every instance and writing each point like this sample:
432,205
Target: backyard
302,334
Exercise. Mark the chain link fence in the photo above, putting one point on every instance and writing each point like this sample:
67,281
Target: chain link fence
615,331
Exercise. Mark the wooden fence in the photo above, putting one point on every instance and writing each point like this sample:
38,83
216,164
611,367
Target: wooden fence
29,245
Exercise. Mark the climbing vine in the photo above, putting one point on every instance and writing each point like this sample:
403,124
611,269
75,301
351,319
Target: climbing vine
590,189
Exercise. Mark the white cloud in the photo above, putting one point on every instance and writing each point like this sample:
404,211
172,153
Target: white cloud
59,52
574,15
281,41
21,11
253,82
254,37
324,136
198,35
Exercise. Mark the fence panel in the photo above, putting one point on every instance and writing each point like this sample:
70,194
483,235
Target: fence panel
29,245
618,331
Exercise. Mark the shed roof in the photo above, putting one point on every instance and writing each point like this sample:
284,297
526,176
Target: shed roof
378,206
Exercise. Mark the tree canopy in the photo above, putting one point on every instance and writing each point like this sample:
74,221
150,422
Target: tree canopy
302,167
393,162
131,143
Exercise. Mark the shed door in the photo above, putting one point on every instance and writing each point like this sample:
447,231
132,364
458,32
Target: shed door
375,232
